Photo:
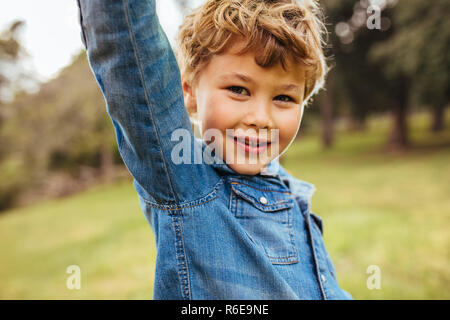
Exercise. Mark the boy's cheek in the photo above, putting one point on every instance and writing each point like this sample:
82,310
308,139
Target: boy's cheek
288,126
220,117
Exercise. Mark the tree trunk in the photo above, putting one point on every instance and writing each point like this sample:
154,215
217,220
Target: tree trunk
398,139
358,124
326,113
106,163
438,118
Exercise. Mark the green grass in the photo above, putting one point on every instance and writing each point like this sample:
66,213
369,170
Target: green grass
389,210
102,231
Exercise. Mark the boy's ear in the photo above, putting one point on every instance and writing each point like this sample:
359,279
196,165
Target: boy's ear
189,98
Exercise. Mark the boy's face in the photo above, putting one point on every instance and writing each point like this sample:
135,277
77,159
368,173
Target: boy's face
233,92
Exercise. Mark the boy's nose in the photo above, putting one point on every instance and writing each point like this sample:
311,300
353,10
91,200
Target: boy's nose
258,115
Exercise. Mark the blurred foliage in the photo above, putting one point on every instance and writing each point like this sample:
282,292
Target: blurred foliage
63,127
356,80
9,45
418,50
401,65
12,55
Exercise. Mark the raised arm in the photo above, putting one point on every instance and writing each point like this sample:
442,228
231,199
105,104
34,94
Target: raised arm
136,70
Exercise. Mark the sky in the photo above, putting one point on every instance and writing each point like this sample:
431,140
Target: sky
52,33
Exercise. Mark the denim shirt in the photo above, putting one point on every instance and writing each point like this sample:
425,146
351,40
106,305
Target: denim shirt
219,234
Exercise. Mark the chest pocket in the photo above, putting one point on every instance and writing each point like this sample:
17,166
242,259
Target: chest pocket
267,218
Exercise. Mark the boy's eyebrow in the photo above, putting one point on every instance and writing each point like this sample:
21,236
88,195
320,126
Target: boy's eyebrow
243,77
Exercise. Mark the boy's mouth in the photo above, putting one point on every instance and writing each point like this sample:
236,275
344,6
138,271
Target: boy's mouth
250,141
251,144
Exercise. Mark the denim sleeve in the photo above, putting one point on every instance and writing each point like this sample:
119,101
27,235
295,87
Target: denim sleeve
139,77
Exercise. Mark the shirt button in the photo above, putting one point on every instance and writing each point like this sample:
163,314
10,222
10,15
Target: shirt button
263,200
323,278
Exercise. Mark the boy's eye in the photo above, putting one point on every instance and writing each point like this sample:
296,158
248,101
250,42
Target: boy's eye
285,98
237,90
241,90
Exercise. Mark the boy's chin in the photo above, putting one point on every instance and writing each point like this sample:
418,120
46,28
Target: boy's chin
247,169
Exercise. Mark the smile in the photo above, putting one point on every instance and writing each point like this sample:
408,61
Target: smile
250,144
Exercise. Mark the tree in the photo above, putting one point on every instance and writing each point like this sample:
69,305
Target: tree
403,64
358,79
61,131
417,54
13,76
11,52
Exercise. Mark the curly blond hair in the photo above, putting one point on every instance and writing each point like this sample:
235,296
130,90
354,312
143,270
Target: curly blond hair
275,29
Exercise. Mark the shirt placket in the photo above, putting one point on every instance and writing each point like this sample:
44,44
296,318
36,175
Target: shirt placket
319,268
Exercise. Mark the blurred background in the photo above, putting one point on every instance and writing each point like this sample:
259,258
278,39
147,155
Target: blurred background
375,143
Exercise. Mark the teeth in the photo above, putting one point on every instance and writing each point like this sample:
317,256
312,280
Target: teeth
247,142
251,142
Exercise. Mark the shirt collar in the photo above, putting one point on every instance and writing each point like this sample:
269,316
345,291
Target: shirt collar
302,190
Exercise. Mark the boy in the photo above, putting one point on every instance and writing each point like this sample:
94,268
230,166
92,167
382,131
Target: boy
224,229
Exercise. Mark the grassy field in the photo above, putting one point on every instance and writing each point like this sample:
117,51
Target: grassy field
388,210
